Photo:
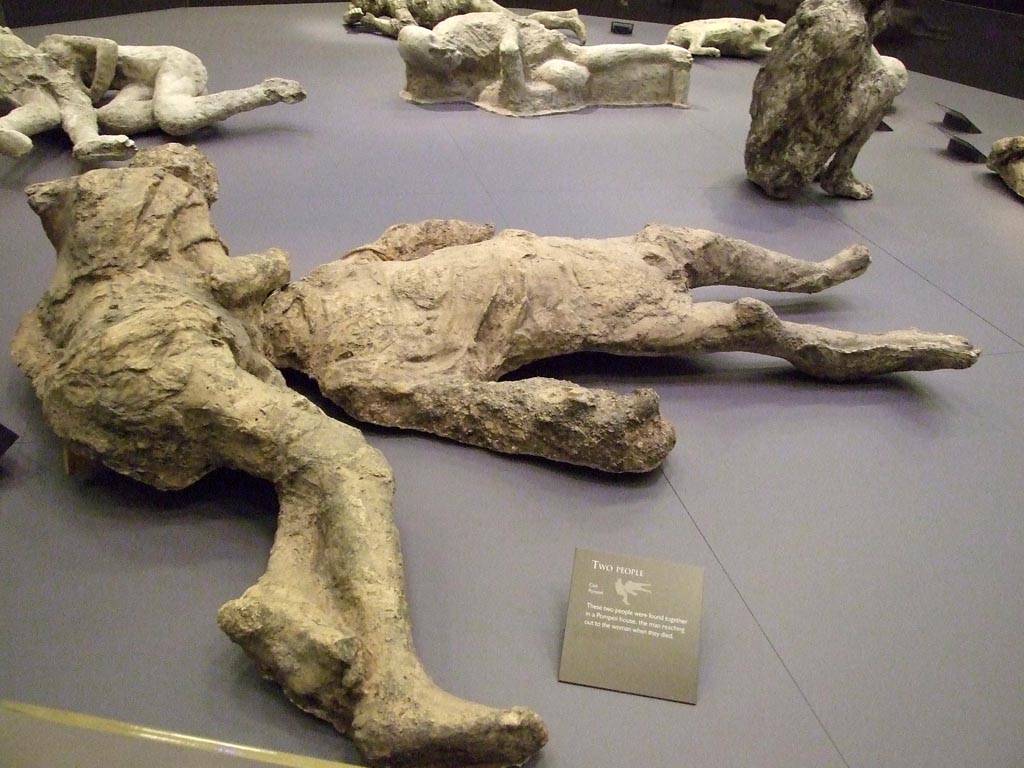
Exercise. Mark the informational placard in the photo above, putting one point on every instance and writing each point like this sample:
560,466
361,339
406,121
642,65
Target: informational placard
633,625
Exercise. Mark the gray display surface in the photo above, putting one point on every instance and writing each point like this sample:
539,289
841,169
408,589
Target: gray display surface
861,543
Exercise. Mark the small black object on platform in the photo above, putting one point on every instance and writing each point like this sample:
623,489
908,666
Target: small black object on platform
622,28
958,121
963,149
883,126
7,438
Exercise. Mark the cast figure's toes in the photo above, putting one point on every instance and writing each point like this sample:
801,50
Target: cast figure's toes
847,185
579,29
104,148
415,723
281,90
848,264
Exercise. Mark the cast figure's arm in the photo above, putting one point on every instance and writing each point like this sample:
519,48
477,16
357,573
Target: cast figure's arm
407,242
83,56
240,280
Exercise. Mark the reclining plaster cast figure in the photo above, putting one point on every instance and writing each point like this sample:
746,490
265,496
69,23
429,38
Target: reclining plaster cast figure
162,87
416,329
1007,159
818,98
740,38
158,86
42,95
389,16
144,352
514,66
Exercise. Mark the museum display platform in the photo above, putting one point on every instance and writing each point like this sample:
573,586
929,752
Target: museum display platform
861,544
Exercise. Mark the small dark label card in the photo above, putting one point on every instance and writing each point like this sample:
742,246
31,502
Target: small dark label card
633,625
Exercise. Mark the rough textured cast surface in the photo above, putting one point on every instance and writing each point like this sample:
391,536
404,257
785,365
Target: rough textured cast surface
144,353
740,38
157,86
515,66
389,16
818,98
416,329
40,95
1007,159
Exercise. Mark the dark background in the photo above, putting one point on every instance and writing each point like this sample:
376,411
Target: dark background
979,43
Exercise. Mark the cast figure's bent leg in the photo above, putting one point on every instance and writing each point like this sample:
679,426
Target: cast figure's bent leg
713,259
130,111
180,106
749,325
329,619
37,112
869,102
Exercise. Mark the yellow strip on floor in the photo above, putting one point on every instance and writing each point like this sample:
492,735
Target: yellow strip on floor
118,728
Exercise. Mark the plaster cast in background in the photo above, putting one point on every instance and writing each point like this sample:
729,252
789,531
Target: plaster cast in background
514,66
39,95
417,329
144,351
389,16
1007,159
739,38
157,86
819,96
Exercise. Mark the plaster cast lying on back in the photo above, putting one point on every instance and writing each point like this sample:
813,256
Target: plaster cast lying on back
157,87
416,330
515,66
390,16
144,351
740,38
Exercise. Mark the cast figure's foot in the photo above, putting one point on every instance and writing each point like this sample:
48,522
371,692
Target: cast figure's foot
104,148
14,143
578,28
847,264
410,721
846,185
863,356
352,16
281,90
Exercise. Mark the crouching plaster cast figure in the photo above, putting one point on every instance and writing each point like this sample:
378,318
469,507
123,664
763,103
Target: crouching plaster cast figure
390,16
416,330
514,66
157,86
740,38
144,352
39,95
821,93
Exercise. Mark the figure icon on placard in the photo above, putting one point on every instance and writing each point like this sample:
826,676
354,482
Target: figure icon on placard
630,589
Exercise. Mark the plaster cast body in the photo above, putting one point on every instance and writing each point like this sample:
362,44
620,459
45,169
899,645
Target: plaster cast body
740,38
515,66
1007,159
157,86
144,351
162,87
42,95
818,98
390,16
416,329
